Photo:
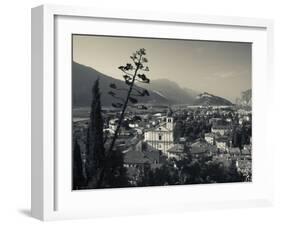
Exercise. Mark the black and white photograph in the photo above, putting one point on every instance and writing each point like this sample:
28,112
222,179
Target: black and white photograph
160,112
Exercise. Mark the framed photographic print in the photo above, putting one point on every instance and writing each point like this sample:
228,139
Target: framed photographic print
137,112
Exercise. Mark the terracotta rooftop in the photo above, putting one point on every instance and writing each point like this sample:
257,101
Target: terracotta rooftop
141,157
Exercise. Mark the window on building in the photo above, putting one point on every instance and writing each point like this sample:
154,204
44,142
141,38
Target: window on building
159,137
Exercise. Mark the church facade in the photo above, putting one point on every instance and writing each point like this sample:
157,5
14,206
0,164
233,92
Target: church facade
161,137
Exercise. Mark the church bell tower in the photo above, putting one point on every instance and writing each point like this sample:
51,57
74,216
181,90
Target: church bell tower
169,120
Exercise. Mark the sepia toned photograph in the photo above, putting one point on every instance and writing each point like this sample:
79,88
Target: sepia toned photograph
160,112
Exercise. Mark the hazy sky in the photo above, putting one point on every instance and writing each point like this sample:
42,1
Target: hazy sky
220,68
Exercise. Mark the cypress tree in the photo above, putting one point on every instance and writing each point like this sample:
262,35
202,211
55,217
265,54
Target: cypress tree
95,147
78,179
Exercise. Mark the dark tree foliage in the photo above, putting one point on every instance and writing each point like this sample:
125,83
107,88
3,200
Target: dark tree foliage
179,130
95,148
165,175
241,136
115,174
233,174
77,168
192,130
236,138
189,171
206,171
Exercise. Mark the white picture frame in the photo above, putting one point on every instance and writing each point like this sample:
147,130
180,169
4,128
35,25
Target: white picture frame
52,198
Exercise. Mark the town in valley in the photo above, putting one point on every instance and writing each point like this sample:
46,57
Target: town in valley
191,144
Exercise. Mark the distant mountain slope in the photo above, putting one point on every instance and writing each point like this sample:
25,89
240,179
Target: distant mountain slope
83,78
172,91
162,91
205,99
247,97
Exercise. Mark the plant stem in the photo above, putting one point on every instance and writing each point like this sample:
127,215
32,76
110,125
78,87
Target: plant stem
120,120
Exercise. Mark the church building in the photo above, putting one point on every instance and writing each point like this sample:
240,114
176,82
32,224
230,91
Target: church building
161,137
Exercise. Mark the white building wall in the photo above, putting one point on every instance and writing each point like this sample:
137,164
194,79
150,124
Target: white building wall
166,142
210,140
165,132
220,131
222,145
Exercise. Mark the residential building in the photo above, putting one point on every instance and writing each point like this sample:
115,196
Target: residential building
221,129
210,138
222,143
177,151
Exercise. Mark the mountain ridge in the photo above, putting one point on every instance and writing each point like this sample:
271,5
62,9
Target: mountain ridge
207,99
162,91
83,78
172,91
